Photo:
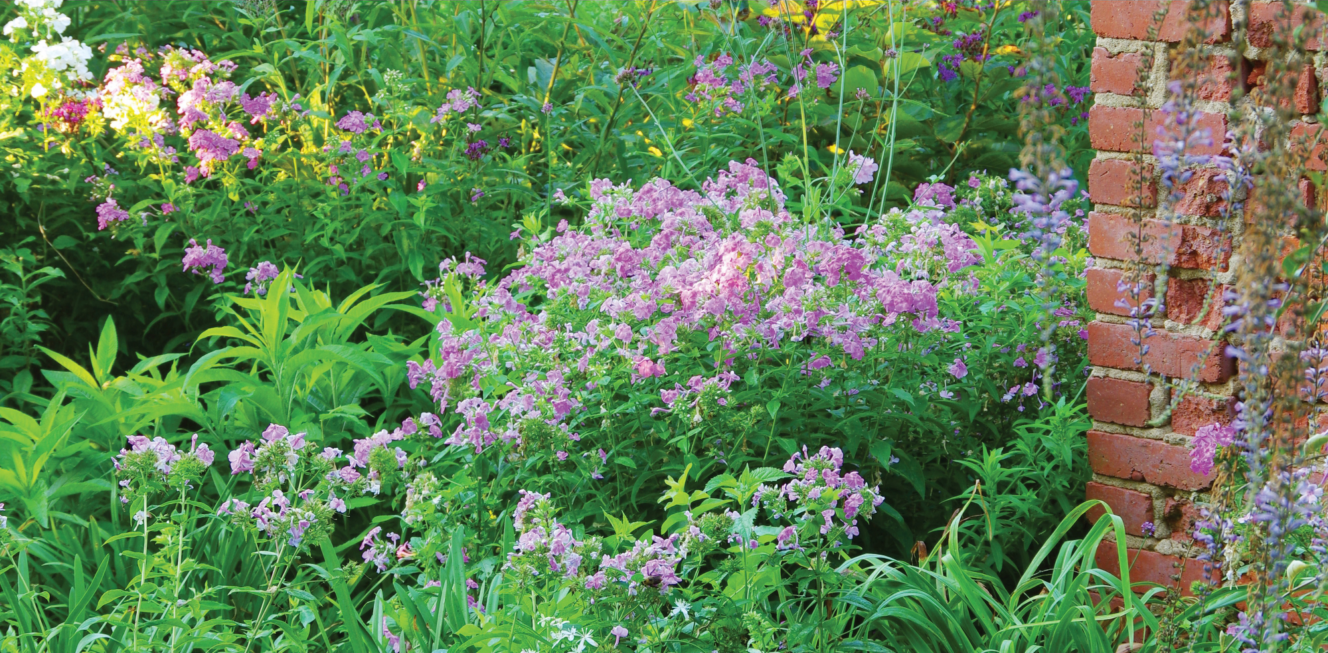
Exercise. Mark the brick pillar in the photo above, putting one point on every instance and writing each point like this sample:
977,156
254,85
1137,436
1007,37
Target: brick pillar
1138,448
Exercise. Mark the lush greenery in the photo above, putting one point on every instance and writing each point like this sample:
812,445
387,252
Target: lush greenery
575,325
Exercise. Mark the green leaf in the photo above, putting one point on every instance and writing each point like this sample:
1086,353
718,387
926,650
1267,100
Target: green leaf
73,367
909,468
107,347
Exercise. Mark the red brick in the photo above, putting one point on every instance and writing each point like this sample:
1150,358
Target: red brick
1114,236
1140,459
1134,508
1307,142
1103,291
1115,73
1218,81
1195,412
1181,516
1109,345
1307,91
1305,98
1153,567
1186,299
1204,194
1267,19
1121,182
1117,129
1137,19
1119,401
1254,208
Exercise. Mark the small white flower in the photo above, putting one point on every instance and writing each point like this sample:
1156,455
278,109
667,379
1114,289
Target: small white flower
38,90
140,517
682,608
15,25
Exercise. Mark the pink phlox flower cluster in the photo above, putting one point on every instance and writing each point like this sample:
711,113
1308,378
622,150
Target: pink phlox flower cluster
1204,446
259,276
277,518
164,453
198,258
934,194
712,86
825,74
543,545
259,106
458,101
378,552
654,267
819,499
109,212
677,397
357,122
363,455
152,460
276,454
212,148
863,167
655,561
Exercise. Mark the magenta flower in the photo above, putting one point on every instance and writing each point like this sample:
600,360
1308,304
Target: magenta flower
355,122
618,633
826,74
242,459
1206,441
108,212
958,369
864,168
199,258
938,195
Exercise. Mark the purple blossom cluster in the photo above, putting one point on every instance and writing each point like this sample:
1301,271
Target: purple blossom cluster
712,88
660,266
458,102
301,488
819,500
109,213
547,548
150,464
1204,446
210,258
824,74
259,276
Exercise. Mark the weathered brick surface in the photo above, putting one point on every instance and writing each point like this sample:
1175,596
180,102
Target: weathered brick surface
1138,20
1267,18
1152,567
1121,182
1134,508
1195,412
1118,401
1180,517
1119,73
1114,236
1255,209
1109,345
1305,99
1117,129
1305,141
1204,194
1307,91
1104,293
1218,81
1140,459
1186,299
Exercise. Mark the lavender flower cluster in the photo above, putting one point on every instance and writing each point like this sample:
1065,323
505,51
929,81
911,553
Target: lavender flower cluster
654,268
822,503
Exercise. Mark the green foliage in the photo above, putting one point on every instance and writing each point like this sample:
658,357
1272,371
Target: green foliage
688,530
